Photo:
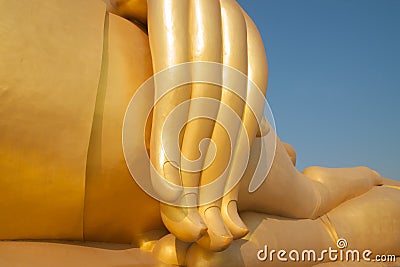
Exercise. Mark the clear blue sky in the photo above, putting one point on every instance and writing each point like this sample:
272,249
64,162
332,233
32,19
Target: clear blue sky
334,79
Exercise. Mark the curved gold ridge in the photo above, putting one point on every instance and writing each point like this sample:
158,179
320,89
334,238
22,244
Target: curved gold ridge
392,186
330,228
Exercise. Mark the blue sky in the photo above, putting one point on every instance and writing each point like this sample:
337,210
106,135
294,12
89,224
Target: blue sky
334,79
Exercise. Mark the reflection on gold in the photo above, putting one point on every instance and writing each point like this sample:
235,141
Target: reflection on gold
66,78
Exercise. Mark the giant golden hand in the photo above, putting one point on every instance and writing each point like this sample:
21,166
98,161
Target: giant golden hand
214,31
220,31
63,108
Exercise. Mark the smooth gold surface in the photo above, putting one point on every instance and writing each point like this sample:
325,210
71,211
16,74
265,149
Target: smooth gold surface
291,152
302,195
113,200
358,221
66,78
48,85
79,254
171,250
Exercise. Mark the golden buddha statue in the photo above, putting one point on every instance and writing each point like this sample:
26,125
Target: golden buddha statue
68,74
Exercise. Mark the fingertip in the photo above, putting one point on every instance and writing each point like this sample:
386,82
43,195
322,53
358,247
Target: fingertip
218,237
